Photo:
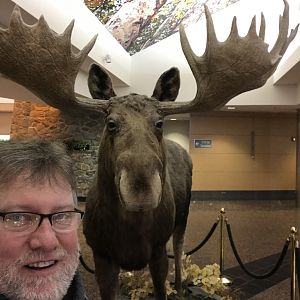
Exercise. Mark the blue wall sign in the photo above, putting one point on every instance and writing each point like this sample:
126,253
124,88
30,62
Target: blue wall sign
200,143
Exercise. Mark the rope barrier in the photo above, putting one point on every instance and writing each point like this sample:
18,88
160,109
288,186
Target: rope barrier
277,265
201,244
85,265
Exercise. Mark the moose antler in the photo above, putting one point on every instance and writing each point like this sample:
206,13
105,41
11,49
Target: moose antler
43,61
230,68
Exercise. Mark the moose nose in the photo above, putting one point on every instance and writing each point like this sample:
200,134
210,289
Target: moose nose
137,194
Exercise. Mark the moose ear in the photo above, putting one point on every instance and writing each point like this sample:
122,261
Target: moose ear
99,83
167,86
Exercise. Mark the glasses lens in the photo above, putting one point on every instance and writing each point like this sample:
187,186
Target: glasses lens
66,221
20,221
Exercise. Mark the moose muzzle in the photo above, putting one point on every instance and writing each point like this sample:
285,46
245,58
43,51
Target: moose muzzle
139,192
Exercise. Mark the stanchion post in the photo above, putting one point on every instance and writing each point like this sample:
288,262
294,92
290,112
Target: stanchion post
293,239
297,267
222,222
222,214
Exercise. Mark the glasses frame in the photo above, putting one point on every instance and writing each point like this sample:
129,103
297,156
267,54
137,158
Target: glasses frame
42,216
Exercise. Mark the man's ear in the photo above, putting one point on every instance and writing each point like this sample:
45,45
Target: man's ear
167,86
100,84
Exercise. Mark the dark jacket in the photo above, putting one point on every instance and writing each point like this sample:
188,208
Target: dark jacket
75,292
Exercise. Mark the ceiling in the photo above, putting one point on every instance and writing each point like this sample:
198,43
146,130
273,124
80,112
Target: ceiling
288,74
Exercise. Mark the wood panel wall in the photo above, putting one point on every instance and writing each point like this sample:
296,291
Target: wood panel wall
229,163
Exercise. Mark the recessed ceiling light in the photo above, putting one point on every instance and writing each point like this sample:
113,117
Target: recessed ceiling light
6,100
173,119
230,107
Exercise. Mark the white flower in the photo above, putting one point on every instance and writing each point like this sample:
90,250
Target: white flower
138,284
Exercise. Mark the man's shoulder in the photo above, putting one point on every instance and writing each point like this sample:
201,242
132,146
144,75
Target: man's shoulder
76,290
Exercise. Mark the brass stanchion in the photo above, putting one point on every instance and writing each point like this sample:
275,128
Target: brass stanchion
293,241
222,221
297,267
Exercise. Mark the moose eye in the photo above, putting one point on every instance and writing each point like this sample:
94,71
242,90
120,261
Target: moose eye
159,124
111,125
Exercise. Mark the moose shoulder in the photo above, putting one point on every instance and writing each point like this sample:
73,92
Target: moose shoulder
141,193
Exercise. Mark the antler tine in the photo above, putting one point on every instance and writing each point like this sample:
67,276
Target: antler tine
43,61
211,33
227,69
289,39
281,43
262,29
252,29
234,30
81,55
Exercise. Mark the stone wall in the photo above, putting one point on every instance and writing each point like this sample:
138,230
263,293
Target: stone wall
38,120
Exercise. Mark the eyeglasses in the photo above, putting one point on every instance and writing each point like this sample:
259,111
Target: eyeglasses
28,222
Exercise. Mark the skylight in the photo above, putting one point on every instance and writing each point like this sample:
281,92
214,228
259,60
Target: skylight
138,24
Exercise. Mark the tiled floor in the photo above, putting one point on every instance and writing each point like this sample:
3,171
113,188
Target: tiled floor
249,286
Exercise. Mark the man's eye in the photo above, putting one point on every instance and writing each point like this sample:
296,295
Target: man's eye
18,219
63,218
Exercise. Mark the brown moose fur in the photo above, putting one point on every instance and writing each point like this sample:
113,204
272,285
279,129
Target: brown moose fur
127,239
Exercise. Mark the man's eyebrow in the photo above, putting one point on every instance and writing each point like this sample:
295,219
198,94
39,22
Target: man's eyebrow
15,207
30,208
64,207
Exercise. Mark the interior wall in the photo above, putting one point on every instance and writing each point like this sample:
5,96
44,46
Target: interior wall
178,131
248,151
81,135
230,164
5,122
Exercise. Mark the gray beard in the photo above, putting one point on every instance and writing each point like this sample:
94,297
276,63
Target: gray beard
17,287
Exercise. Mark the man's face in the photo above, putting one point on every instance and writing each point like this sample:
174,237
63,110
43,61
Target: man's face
39,265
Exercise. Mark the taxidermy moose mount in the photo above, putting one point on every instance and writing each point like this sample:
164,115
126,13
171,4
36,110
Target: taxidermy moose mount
142,189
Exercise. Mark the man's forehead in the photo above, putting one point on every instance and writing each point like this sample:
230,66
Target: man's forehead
22,194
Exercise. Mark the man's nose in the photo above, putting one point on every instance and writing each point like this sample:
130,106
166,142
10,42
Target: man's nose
44,237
